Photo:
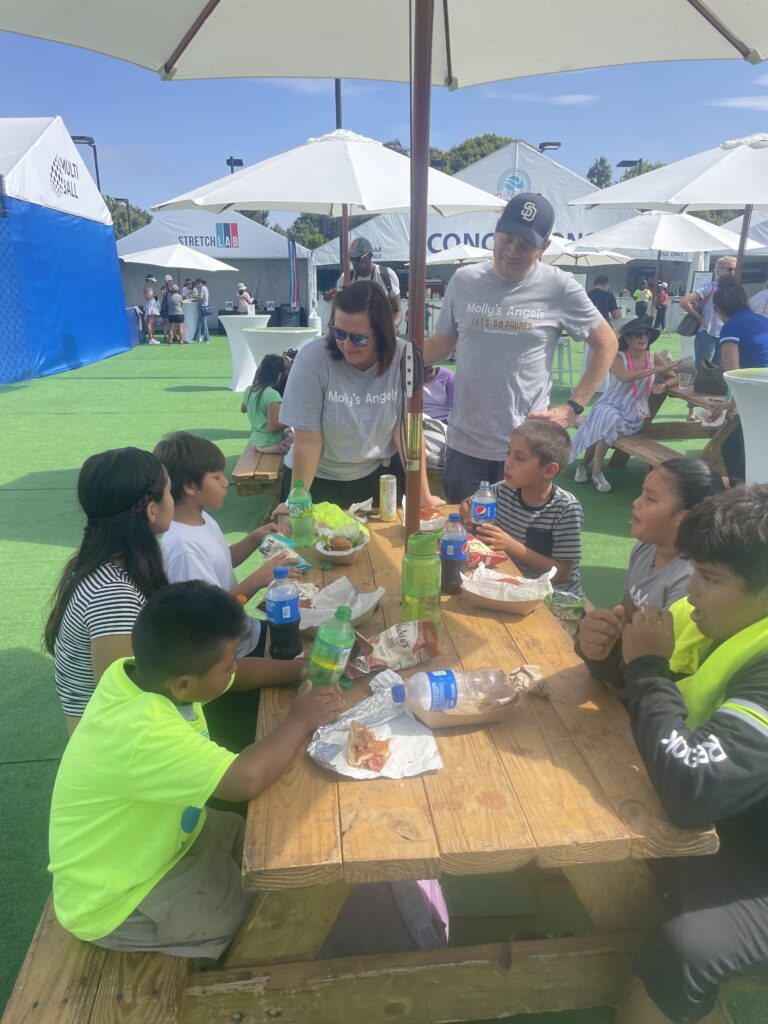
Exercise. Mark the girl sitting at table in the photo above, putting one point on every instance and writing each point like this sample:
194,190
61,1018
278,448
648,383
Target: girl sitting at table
624,407
262,401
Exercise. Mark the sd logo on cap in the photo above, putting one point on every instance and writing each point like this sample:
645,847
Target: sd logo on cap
528,216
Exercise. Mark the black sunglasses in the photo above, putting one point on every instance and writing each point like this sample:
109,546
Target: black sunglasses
361,340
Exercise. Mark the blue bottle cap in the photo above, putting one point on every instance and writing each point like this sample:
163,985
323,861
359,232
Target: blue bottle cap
454,517
398,693
281,572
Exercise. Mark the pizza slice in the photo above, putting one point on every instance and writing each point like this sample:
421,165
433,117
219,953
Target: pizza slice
364,750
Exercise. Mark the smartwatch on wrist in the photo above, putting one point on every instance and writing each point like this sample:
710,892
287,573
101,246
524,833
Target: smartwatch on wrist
578,409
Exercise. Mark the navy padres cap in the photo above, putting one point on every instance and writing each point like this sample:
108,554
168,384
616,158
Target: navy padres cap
529,216
359,247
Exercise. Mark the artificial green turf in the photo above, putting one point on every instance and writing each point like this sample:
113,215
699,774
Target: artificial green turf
49,426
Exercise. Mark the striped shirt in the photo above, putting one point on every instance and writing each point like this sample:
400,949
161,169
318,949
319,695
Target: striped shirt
552,529
105,603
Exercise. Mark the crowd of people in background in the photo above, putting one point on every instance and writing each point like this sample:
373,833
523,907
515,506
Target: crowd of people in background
166,305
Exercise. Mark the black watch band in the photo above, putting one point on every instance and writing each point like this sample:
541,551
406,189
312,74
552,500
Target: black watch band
578,409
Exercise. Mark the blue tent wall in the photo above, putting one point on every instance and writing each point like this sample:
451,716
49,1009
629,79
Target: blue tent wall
71,291
14,351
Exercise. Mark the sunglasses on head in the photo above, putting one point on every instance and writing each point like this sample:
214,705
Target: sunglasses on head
361,340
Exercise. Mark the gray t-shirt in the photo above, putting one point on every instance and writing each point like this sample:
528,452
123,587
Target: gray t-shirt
175,307
648,585
506,340
356,411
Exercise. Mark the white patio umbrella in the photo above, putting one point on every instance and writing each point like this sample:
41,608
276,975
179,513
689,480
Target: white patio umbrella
577,255
178,257
459,254
733,175
678,232
394,42
335,170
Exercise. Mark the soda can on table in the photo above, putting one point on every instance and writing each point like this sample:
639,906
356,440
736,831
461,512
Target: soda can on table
388,498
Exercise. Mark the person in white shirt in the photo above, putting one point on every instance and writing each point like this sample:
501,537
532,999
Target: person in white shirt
201,287
759,301
189,291
244,299
364,269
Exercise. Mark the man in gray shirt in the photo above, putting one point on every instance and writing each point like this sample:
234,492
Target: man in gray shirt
504,319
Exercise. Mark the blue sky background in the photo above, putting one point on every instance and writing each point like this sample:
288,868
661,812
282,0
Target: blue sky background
156,139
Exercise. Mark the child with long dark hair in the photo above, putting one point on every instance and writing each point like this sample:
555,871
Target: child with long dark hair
261,402
126,497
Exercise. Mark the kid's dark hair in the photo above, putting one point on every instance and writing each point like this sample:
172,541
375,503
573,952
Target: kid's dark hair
729,297
188,458
367,297
730,529
548,441
114,489
181,630
267,373
692,480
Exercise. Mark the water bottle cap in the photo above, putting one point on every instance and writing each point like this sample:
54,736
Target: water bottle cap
454,517
281,571
398,693
484,483
344,612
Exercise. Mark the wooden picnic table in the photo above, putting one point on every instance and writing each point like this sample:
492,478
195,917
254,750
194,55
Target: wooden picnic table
558,785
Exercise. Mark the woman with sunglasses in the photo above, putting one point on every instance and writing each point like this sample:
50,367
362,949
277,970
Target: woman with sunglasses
344,399
624,406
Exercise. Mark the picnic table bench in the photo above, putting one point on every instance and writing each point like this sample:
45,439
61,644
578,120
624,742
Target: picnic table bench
257,472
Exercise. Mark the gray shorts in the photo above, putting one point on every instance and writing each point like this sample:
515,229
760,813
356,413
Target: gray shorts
463,473
197,908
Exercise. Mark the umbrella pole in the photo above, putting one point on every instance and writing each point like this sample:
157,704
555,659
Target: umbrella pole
745,222
344,242
417,278
658,272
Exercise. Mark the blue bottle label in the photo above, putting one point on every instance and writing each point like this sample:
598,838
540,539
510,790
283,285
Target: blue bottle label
444,690
454,550
281,612
483,511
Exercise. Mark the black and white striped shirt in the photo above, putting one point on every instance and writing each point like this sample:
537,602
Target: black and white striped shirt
106,603
552,529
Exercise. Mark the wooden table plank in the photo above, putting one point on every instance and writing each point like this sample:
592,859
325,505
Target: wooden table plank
696,398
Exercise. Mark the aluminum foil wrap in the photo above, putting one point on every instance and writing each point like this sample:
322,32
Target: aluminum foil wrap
413,748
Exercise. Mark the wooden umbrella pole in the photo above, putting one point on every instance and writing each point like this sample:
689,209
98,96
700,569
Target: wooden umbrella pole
417,278
745,222
344,242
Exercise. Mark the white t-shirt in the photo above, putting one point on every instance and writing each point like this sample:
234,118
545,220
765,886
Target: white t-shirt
759,302
394,283
202,553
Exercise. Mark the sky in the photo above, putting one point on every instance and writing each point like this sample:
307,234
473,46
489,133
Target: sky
158,139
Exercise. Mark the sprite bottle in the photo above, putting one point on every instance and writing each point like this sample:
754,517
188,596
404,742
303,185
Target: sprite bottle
300,516
331,649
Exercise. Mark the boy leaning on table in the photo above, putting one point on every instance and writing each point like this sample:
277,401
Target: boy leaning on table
696,683
138,862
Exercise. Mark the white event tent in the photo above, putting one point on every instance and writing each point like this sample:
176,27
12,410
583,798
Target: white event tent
260,255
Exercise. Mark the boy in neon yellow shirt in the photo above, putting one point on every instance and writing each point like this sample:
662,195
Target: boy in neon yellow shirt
138,862
696,682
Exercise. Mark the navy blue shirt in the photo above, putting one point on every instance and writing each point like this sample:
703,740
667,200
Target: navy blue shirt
750,332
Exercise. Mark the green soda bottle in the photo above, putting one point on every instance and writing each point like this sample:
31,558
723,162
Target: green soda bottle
421,579
300,515
331,649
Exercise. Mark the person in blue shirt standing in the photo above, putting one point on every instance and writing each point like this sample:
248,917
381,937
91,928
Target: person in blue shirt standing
743,346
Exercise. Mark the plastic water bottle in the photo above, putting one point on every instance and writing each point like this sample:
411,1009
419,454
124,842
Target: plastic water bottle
421,579
445,689
314,322
483,505
453,555
331,649
300,516
283,616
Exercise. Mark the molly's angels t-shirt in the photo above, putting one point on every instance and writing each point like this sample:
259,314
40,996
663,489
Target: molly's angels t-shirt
129,801
356,411
506,340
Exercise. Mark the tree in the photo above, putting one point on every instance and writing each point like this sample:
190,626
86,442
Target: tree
467,152
398,147
716,216
259,216
600,173
307,230
139,217
648,165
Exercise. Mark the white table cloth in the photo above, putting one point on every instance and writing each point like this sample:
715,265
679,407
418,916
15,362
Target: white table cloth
243,365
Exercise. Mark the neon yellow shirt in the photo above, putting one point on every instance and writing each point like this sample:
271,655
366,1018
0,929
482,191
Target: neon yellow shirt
129,801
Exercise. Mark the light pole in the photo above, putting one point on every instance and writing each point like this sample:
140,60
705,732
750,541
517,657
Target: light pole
632,163
544,146
87,140
233,162
119,199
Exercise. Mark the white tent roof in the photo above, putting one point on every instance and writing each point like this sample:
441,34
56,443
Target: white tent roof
517,167
40,164
227,236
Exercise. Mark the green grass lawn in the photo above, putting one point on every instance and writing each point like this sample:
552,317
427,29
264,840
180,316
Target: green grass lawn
49,426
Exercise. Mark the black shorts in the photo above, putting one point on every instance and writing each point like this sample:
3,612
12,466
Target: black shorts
346,492
176,318
718,929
